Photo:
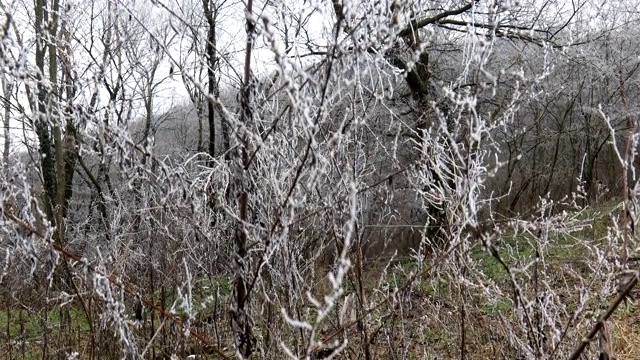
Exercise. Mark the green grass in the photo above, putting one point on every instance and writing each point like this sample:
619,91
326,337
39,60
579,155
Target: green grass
501,306
25,330
33,322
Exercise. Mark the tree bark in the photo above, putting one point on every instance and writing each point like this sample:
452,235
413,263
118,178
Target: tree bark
211,13
7,88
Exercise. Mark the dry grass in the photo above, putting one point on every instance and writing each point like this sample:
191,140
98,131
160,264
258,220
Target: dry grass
625,334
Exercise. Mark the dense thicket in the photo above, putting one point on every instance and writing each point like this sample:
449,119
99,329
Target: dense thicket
338,179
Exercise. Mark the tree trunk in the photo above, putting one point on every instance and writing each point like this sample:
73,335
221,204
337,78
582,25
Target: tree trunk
211,13
7,88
